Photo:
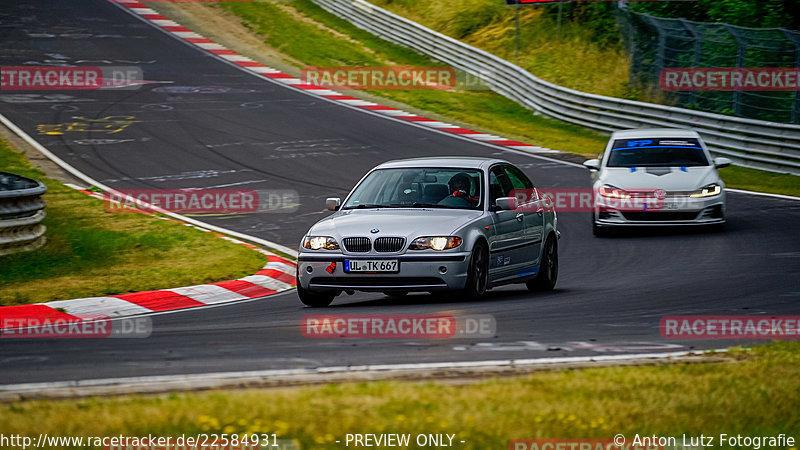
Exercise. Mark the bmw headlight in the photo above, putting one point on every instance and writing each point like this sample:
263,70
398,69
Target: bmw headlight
320,243
707,191
437,243
613,192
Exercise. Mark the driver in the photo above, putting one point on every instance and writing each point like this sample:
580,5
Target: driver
460,186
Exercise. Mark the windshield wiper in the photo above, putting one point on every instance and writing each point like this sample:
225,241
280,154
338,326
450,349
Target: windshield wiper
364,206
373,206
429,205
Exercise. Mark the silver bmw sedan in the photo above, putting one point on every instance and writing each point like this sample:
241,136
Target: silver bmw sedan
453,224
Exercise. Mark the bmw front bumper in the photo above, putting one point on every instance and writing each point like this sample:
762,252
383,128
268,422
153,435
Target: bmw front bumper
319,271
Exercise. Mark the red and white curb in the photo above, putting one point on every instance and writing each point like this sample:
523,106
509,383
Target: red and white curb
276,276
187,35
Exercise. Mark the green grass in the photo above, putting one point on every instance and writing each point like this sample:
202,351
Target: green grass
759,180
754,393
573,56
92,252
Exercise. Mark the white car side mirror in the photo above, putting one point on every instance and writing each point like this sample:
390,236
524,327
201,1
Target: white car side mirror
333,203
592,164
506,203
722,162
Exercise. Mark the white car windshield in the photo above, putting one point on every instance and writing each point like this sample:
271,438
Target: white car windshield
419,188
657,152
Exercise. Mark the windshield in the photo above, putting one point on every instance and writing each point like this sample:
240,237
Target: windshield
419,188
659,152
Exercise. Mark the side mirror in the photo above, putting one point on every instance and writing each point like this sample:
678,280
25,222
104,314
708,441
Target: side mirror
592,164
506,203
722,162
333,203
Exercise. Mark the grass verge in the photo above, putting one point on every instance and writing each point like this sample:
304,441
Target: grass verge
91,252
755,393
292,35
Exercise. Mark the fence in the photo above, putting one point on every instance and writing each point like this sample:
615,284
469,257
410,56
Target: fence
750,143
656,43
21,214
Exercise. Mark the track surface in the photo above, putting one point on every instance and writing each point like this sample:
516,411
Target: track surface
261,135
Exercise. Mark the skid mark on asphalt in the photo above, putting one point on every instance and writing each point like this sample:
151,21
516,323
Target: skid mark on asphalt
190,175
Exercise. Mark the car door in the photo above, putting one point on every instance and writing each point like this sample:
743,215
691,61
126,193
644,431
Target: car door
532,212
506,250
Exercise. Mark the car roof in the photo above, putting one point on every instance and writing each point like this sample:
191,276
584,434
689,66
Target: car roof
655,133
460,162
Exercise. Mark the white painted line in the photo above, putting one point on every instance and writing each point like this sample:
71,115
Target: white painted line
108,306
358,102
210,46
438,125
393,112
262,70
187,34
165,22
279,266
209,294
487,137
267,282
141,10
322,92
236,58
763,194
533,149
289,80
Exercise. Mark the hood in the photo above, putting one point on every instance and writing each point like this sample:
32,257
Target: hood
666,178
408,222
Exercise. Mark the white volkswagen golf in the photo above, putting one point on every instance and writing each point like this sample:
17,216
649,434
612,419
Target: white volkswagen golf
657,177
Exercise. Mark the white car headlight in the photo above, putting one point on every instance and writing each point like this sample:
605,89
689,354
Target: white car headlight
438,243
707,191
613,192
320,243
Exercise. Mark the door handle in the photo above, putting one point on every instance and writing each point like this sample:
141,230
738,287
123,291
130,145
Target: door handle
520,216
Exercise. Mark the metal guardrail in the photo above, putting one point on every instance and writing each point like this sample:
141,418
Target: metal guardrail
21,214
747,142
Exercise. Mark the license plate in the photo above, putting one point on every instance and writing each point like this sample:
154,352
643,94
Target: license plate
670,205
366,266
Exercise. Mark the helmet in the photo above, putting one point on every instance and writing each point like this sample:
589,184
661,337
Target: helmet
460,182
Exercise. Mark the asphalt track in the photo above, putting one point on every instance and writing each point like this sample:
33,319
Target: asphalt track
263,135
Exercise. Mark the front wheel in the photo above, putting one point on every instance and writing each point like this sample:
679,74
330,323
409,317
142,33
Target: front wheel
478,273
314,299
548,269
